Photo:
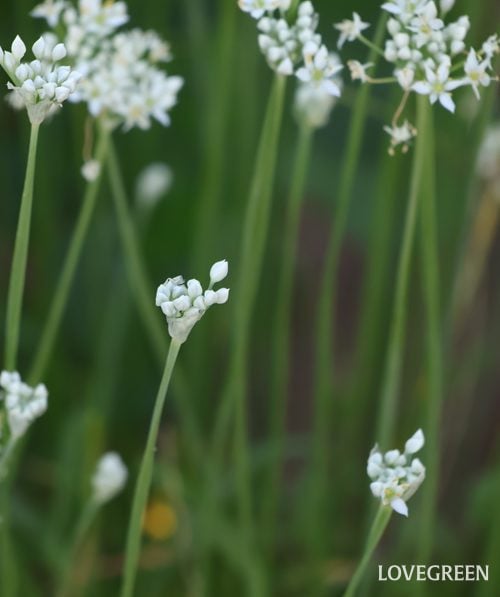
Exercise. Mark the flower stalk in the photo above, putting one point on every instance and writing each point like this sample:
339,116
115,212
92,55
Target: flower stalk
56,312
394,356
143,483
20,258
378,527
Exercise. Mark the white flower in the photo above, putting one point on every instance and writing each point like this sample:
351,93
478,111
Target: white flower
40,86
476,72
218,272
438,86
320,70
350,30
109,478
50,10
358,70
184,304
426,24
153,183
490,48
446,5
395,476
400,135
23,404
279,43
313,105
405,77
257,8
405,9
91,170
122,82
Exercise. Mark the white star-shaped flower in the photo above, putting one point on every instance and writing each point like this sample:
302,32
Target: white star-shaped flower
350,29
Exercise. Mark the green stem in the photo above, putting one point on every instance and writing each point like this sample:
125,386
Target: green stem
234,395
60,300
252,251
377,530
281,334
394,356
434,348
136,271
144,479
19,261
324,334
86,518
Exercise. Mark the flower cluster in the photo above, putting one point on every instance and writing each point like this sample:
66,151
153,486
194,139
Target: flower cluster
109,478
429,55
21,406
122,79
395,476
298,49
184,304
40,86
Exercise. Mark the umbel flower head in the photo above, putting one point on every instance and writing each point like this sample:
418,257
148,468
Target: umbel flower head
396,476
109,478
185,303
20,404
426,50
123,76
40,85
292,46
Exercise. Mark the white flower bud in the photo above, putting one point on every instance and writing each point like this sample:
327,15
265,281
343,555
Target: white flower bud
415,443
18,48
109,478
218,272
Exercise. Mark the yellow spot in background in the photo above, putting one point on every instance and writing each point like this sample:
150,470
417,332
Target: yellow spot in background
160,520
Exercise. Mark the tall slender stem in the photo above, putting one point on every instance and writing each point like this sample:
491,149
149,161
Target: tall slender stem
253,245
20,258
324,334
394,356
60,300
139,282
234,395
434,348
377,530
143,483
281,333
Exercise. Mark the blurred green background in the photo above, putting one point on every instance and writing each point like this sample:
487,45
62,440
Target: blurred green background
104,374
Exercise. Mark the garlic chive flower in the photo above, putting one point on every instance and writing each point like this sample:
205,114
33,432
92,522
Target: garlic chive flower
426,50
321,69
124,79
396,476
400,136
40,85
314,101
292,46
20,405
185,303
350,30
109,478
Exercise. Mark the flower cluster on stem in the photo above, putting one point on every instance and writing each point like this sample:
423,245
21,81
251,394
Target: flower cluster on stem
20,405
185,303
396,476
296,48
41,85
428,55
123,76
